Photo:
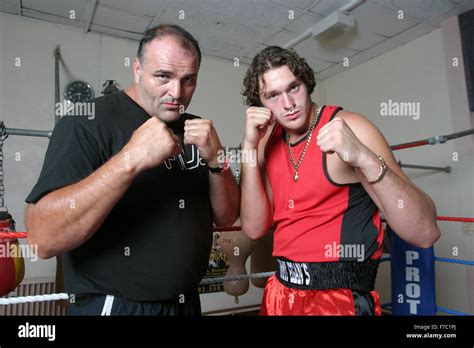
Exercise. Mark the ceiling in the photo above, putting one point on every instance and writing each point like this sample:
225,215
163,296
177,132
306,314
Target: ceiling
240,28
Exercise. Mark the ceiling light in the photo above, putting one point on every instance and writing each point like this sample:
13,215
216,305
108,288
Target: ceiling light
335,24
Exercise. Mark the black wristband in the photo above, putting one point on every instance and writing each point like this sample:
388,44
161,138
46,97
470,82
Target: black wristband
219,169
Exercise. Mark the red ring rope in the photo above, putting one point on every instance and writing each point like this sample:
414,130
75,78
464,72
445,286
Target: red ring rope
406,146
7,235
4,235
451,218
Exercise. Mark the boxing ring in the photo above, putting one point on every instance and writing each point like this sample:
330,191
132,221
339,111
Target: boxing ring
413,283
412,275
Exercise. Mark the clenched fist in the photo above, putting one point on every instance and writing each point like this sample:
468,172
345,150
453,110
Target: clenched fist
201,132
151,144
256,125
336,136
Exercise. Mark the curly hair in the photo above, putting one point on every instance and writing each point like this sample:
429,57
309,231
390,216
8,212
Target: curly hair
270,58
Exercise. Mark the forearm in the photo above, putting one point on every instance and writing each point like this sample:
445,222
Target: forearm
225,197
66,218
408,210
255,209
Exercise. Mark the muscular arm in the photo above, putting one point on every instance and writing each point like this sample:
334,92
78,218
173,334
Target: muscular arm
66,218
223,190
409,211
256,208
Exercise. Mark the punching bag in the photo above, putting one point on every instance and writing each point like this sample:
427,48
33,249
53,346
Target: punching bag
12,266
237,248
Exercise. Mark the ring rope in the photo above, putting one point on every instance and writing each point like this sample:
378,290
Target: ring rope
451,311
236,277
8,235
453,218
37,298
64,296
449,260
409,145
21,235
439,139
438,309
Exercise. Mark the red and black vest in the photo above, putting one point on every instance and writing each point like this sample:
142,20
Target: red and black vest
316,219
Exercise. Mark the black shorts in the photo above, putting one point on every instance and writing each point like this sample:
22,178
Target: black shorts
112,305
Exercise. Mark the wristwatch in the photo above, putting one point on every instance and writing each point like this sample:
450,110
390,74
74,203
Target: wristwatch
220,168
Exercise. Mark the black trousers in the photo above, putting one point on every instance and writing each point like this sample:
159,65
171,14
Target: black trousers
112,305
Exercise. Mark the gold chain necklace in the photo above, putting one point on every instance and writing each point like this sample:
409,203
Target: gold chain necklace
296,166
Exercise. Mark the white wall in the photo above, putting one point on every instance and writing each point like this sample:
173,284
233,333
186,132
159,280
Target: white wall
27,101
417,72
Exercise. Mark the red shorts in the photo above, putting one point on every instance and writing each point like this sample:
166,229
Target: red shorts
281,300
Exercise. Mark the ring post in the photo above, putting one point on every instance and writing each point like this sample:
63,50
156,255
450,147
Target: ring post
413,278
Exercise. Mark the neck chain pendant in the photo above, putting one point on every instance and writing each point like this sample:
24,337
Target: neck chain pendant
310,133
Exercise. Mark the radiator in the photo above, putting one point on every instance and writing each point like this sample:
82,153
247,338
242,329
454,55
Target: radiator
31,287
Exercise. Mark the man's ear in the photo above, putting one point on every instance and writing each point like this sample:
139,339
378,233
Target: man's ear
137,70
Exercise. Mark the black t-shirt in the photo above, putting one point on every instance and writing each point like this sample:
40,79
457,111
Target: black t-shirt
155,243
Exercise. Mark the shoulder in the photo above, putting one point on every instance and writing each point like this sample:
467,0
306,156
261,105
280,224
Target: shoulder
86,113
356,121
352,117
362,127
108,104
88,117
107,112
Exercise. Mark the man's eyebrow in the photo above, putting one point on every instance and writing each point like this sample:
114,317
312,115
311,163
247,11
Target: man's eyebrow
170,73
270,92
193,74
161,71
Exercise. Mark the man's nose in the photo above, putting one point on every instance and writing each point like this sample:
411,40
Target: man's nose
288,102
175,89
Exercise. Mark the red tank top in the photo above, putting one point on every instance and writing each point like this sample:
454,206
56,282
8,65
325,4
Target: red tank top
316,219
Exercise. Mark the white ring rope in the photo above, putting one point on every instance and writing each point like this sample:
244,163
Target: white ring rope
37,298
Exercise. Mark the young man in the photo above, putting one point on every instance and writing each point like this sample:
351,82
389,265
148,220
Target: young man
130,196
323,176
